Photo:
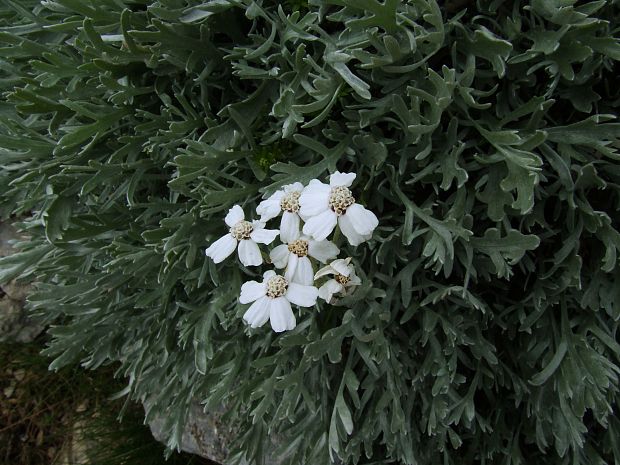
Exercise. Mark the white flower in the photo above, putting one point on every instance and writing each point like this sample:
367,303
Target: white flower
287,201
247,235
325,205
272,301
294,256
343,281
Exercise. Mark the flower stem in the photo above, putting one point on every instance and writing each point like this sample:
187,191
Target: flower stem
336,238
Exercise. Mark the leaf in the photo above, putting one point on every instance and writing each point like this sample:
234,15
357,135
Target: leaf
220,200
591,131
76,135
289,173
57,217
493,195
506,250
209,8
285,107
359,86
334,441
487,45
523,168
541,378
451,169
372,153
21,263
383,13
441,236
344,413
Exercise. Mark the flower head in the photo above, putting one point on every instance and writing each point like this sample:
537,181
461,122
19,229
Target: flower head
245,234
272,301
324,206
343,282
286,201
294,256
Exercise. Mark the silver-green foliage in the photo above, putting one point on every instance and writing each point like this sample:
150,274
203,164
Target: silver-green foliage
484,136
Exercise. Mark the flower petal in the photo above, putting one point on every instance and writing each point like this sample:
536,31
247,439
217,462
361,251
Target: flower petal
268,275
326,270
221,248
341,266
327,290
234,215
258,313
314,199
304,273
291,266
251,291
289,227
295,187
321,226
264,236
341,179
258,224
279,256
281,315
304,296
270,207
349,231
249,253
363,220
322,250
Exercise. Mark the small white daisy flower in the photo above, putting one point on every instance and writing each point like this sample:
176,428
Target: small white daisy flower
325,205
294,256
343,282
285,200
272,301
245,234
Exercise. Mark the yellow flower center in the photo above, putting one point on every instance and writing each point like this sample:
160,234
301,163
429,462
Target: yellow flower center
290,202
299,247
340,198
276,287
242,230
342,279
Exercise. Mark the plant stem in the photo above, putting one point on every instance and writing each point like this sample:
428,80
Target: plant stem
336,238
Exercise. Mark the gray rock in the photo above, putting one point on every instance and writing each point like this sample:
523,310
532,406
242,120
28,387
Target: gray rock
16,291
15,325
8,236
205,434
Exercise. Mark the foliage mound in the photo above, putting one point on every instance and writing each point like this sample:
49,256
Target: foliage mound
484,137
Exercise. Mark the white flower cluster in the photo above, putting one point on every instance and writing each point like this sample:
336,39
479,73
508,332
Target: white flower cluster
320,207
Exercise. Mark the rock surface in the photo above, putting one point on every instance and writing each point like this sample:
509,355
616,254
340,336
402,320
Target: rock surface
8,235
204,435
15,325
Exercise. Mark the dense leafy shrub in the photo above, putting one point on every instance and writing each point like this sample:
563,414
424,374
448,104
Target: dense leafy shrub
484,137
